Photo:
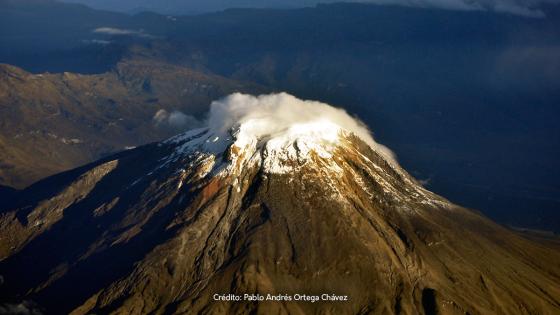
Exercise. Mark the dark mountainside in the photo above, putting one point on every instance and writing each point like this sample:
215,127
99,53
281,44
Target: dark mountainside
468,100
161,228
189,7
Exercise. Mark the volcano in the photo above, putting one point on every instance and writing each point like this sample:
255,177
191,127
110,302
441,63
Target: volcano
277,206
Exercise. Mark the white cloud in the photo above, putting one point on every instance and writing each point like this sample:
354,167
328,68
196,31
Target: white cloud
121,32
97,41
176,120
528,8
281,115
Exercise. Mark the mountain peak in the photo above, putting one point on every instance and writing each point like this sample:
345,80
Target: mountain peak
278,135
275,131
252,205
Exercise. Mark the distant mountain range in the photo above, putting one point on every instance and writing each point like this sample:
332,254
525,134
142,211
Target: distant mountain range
177,7
468,100
54,122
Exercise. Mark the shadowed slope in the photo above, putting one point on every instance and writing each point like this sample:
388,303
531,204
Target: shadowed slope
162,229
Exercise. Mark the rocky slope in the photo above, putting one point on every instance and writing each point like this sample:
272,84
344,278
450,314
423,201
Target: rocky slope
54,122
262,201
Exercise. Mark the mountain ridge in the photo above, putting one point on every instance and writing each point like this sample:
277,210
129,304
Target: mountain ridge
164,232
52,122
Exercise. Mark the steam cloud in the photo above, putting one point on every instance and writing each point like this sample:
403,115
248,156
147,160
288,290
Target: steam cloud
280,112
176,120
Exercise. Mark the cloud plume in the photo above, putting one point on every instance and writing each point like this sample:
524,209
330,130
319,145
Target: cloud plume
268,116
176,120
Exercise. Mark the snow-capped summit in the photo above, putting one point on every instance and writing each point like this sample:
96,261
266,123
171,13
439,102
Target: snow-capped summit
275,196
276,131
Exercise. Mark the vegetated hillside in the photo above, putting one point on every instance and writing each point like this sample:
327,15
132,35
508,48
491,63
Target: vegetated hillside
54,122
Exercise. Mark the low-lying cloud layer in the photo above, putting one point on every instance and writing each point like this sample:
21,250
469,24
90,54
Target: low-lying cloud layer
121,32
529,8
97,41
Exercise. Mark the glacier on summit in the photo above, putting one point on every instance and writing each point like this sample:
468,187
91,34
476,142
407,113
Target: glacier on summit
273,129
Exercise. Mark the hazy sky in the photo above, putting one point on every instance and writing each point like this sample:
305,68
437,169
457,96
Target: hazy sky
517,7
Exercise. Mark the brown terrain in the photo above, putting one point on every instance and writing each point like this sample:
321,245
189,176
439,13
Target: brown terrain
109,219
55,122
148,231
